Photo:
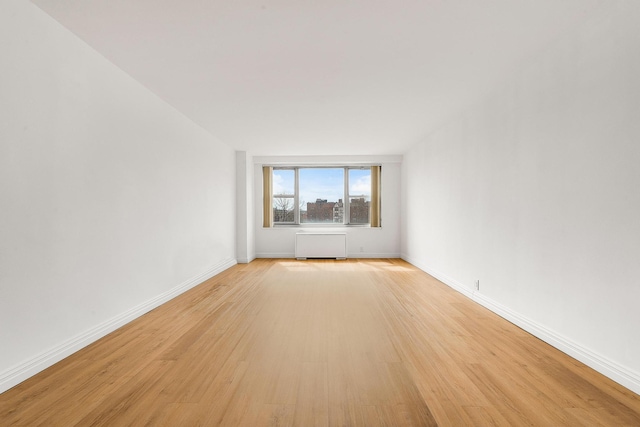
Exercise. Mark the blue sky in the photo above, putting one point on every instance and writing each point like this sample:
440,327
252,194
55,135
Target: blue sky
322,183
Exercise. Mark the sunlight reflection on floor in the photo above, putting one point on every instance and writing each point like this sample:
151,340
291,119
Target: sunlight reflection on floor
345,265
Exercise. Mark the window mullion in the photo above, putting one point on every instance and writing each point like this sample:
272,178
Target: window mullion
345,220
296,197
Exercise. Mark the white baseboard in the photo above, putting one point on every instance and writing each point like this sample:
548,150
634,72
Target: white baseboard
276,255
30,367
349,255
356,255
618,373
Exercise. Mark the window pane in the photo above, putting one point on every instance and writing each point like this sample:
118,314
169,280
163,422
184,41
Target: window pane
283,195
321,195
283,182
360,182
359,195
283,209
359,210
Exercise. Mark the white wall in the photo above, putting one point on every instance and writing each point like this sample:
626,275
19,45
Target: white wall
111,201
535,192
245,211
383,242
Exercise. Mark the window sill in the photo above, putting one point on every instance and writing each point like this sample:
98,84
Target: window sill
319,226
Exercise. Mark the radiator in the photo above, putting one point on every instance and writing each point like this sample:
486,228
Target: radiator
321,245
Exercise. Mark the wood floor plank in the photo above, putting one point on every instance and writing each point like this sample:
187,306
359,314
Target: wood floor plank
320,342
273,415
312,404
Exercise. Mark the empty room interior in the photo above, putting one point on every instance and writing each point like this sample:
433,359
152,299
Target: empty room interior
320,213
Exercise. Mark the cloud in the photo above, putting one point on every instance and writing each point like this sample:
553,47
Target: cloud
283,182
361,186
278,183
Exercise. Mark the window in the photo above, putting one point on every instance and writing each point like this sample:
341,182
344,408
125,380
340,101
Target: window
359,195
284,196
321,195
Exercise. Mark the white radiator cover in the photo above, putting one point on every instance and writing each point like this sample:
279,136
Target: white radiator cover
321,245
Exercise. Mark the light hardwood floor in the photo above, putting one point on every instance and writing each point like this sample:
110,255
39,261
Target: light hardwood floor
304,343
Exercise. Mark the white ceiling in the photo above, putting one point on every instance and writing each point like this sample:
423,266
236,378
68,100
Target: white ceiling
303,77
